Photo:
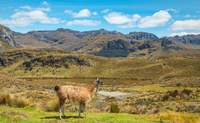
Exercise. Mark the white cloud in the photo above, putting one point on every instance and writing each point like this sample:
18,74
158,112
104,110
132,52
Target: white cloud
186,25
27,15
117,18
84,22
188,16
81,14
184,33
94,13
105,11
121,19
172,10
157,19
26,7
45,3
128,21
44,7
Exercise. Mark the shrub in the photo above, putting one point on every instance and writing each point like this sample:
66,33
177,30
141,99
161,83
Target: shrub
51,106
114,108
14,100
3,98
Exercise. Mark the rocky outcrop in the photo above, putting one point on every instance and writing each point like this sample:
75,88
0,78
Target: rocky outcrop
142,36
114,48
11,58
54,61
168,44
7,36
186,39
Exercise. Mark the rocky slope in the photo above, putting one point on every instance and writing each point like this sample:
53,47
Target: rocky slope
6,38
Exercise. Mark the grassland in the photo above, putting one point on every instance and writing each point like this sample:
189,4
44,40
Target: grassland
161,89
30,115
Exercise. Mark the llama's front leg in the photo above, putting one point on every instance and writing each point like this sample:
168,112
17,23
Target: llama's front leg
63,111
60,110
62,102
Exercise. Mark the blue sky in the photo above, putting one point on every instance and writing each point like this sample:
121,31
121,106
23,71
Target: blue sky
163,18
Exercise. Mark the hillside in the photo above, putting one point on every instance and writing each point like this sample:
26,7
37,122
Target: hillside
57,63
6,39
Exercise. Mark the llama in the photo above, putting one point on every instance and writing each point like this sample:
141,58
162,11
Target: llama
76,94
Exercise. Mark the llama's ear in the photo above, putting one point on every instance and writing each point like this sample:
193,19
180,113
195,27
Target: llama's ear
56,88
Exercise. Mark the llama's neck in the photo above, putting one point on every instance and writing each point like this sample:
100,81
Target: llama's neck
93,88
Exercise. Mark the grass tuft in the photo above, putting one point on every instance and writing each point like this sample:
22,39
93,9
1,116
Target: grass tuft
14,100
51,106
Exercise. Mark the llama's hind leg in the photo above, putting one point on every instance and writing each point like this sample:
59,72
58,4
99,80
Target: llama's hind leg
84,110
82,107
79,110
85,114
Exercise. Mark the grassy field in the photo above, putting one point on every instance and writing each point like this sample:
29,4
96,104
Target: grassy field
160,89
30,115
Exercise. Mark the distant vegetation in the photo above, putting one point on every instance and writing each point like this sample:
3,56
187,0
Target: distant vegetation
44,63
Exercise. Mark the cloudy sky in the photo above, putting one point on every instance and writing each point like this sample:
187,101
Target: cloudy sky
162,17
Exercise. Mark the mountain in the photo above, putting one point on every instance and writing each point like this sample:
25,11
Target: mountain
187,39
181,42
99,42
64,38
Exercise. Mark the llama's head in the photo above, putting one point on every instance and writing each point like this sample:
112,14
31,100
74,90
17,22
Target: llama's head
56,88
98,83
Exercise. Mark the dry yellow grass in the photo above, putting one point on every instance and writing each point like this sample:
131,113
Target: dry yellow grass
14,100
177,117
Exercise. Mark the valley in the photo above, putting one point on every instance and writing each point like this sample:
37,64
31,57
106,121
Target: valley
145,78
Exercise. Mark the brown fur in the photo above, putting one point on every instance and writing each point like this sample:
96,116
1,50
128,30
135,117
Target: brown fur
74,94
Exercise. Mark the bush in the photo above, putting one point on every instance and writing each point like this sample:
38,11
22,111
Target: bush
51,106
3,99
114,108
13,100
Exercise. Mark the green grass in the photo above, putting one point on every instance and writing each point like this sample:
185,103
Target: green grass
31,115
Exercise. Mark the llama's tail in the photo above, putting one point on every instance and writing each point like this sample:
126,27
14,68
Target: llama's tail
56,88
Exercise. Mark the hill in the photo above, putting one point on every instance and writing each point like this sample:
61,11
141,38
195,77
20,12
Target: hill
58,63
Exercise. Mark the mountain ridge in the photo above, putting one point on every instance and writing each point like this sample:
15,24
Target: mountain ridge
99,42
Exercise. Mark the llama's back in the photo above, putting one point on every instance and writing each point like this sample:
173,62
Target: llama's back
75,93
